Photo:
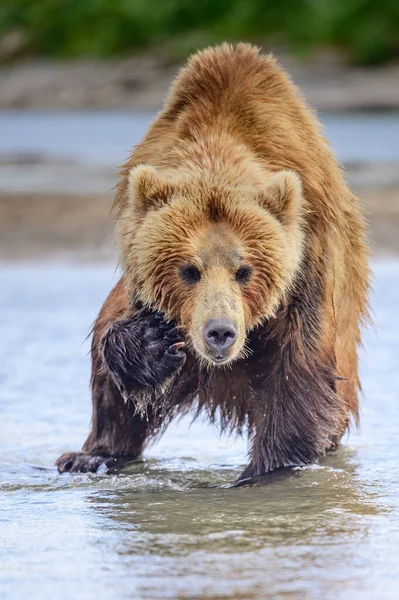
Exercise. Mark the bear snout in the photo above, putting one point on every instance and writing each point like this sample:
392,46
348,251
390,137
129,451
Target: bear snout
220,335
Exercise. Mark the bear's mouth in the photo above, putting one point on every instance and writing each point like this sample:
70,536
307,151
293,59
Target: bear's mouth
219,359
215,359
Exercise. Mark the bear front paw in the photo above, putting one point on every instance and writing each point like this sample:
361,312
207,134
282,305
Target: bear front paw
143,351
85,462
79,462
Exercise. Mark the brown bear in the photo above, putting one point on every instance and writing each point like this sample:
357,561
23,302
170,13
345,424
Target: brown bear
245,274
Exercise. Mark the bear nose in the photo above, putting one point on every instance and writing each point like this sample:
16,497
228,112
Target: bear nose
220,334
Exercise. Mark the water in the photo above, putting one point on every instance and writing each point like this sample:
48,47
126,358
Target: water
168,526
105,137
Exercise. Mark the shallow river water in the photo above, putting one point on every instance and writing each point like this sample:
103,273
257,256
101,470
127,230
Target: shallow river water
168,526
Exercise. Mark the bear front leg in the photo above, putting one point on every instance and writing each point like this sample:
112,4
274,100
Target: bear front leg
132,357
277,444
297,414
118,432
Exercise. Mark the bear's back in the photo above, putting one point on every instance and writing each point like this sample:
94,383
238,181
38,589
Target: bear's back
238,91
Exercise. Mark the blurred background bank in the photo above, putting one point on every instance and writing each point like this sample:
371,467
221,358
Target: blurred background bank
80,81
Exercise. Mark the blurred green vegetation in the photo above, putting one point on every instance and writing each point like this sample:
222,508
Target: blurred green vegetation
366,30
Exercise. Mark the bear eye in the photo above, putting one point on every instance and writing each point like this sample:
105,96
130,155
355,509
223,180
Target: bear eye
243,274
190,274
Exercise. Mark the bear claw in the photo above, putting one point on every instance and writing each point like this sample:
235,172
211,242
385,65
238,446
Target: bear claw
174,349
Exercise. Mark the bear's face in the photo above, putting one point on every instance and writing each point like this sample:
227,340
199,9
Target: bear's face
218,260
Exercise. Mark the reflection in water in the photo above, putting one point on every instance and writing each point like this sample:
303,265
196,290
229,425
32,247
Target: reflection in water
298,527
290,506
170,526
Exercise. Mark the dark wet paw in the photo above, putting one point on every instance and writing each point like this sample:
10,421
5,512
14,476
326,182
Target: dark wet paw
80,462
162,351
143,351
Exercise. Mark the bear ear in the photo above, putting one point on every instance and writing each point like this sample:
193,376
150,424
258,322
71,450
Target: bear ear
282,196
148,189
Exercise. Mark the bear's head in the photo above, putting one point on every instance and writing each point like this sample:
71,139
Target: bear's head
217,259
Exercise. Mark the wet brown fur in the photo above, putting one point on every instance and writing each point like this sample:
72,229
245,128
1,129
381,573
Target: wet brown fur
209,170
